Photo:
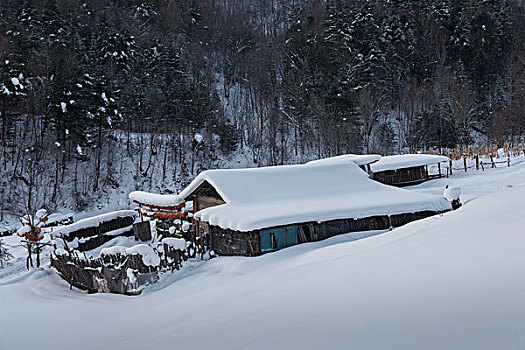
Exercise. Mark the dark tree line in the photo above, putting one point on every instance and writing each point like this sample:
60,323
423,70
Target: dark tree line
85,85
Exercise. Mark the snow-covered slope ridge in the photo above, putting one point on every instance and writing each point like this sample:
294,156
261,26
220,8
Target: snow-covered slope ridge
266,197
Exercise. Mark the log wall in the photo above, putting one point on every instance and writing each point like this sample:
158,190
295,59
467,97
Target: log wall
229,242
402,177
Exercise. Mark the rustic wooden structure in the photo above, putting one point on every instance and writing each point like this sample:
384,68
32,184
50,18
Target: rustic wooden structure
253,243
111,273
142,231
89,237
404,176
165,209
392,170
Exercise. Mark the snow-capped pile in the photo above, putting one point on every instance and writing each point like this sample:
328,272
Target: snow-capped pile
154,199
452,193
149,257
406,161
199,138
115,250
186,226
359,159
267,197
175,243
93,222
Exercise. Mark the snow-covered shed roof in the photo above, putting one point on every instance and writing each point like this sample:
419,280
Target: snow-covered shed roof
153,199
259,198
359,159
92,221
406,161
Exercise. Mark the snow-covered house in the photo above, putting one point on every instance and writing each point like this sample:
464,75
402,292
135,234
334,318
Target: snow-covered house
257,210
407,169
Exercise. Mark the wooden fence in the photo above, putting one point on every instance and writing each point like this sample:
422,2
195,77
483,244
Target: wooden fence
114,273
92,237
479,164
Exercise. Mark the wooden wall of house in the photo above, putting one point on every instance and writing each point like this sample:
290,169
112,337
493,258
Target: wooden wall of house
229,242
206,196
204,202
402,177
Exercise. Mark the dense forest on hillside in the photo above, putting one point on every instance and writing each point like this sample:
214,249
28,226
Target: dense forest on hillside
162,89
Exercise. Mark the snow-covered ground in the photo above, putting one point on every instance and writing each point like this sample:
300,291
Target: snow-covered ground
455,281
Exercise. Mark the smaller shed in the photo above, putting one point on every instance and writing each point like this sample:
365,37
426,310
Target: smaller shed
166,209
408,169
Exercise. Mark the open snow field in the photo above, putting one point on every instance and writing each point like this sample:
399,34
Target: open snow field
455,281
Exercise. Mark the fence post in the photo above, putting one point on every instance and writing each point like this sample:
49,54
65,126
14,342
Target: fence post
477,161
450,165
508,162
492,160
465,162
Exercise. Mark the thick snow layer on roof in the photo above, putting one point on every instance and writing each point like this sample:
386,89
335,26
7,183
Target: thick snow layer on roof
406,161
359,159
161,200
92,222
257,198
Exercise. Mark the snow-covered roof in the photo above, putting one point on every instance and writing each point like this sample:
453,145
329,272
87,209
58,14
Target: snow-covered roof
161,200
359,159
92,222
258,198
406,161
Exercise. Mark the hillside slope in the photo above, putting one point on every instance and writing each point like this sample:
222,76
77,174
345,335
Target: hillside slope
454,281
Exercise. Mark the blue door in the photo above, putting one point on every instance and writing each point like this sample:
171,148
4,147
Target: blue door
278,238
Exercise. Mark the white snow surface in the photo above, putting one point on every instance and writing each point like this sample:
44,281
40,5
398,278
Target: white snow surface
161,200
452,281
92,221
451,193
257,198
406,161
359,159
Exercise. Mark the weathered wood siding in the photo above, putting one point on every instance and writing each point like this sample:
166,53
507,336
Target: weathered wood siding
229,242
402,177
